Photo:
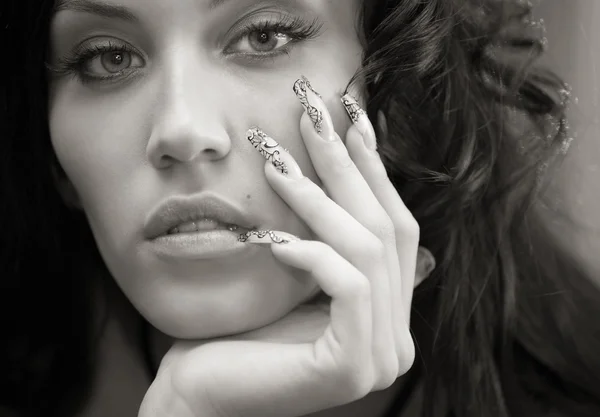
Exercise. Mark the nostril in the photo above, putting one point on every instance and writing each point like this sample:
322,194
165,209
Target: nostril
165,161
176,146
210,152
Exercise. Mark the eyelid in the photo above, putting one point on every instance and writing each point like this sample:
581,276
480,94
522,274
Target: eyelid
260,16
296,28
125,50
78,61
105,42
256,15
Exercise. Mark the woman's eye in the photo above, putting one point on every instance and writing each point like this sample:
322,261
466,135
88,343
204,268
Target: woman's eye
261,41
111,62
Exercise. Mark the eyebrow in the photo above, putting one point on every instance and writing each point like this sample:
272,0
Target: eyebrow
110,11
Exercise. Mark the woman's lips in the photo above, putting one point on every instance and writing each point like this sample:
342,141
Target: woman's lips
197,227
199,245
203,225
205,211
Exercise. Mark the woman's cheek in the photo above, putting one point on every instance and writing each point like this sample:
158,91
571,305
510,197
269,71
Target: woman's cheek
96,147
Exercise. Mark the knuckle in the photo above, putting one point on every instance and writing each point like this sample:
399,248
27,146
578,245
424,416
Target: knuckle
366,249
380,178
406,359
312,196
358,288
389,373
370,249
386,379
384,229
409,229
323,250
341,162
308,189
412,228
387,368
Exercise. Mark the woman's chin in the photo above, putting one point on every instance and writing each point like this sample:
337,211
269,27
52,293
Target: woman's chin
179,325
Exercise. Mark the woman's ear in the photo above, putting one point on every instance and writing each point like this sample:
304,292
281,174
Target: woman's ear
426,263
382,128
65,187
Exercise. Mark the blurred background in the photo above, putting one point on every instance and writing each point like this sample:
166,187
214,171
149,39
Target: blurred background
573,32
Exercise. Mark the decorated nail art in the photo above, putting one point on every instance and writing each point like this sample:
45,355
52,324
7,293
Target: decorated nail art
266,237
301,87
273,152
362,123
352,107
268,148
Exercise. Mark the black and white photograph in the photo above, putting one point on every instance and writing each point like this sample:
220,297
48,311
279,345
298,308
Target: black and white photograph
300,208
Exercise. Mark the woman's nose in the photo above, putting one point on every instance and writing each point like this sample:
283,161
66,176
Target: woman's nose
189,124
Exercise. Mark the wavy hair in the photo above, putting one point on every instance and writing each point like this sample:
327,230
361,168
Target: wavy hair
474,129
510,322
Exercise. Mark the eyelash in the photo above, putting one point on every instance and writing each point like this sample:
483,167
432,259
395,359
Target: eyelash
296,28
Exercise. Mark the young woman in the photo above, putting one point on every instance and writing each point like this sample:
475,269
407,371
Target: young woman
200,219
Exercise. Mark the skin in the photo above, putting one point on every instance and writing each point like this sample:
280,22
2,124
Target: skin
177,126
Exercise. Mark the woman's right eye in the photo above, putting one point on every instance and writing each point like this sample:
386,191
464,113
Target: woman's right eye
100,62
106,62
111,62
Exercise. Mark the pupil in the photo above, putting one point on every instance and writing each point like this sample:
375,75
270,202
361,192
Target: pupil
117,58
115,61
263,37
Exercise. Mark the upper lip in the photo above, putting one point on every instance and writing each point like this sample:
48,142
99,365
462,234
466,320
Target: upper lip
182,209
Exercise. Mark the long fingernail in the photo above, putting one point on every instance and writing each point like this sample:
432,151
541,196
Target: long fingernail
266,237
273,152
361,120
315,108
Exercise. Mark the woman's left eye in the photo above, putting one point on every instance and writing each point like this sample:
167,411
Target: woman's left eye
273,36
261,41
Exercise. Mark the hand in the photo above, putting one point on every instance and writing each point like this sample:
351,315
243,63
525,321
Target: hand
365,259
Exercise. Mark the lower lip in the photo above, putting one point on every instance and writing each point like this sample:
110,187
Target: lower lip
204,244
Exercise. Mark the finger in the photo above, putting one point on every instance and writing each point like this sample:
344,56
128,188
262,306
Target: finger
406,228
334,370
338,228
362,144
345,349
350,333
329,221
336,170
347,187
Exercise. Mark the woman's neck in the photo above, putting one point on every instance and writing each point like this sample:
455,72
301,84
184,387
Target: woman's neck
121,378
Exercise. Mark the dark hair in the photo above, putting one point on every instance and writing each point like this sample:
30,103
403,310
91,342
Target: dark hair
471,123
473,127
47,355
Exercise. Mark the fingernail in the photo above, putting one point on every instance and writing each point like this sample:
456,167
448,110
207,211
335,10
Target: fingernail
361,121
315,108
273,152
266,237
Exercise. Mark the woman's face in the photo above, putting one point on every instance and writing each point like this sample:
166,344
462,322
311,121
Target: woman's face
153,103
